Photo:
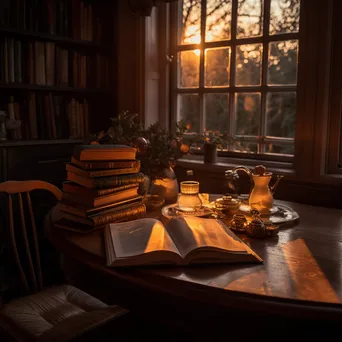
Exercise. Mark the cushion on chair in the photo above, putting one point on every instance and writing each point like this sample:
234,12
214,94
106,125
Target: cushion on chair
56,314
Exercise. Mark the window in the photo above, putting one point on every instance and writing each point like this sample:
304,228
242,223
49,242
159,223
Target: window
237,64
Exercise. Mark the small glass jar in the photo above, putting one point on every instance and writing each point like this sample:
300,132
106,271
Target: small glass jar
189,199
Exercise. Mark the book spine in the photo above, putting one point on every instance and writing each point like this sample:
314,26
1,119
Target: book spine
11,60
106,173
133,212
104,192
86,118
33,116
109,165
11,116
17,115
108,182
99,193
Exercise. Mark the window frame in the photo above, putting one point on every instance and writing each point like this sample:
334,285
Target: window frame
314,114
232,89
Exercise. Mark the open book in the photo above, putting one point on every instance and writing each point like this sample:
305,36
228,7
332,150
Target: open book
182,241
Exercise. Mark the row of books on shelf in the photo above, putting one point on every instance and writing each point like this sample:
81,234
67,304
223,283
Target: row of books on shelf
44,63
48,116
102,186
77,19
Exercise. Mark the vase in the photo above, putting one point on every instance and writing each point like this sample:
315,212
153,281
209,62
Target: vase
144,186
166,187
210,153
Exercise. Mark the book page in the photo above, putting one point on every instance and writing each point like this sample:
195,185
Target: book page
190,233
139,237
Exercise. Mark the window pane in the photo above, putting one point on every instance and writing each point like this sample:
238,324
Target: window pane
218,21
188,64
189,111
248,64
250,18
217,63
247,107
190,22
278,148
281,114
282,62
217,112
245,146
284,16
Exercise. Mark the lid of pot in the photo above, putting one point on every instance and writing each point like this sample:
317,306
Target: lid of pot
226,202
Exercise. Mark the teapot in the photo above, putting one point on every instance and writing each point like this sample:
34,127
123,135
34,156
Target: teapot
261,194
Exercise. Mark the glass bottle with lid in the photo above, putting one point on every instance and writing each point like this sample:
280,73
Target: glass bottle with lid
189,199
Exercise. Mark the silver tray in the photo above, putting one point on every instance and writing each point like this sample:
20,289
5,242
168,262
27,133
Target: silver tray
281,214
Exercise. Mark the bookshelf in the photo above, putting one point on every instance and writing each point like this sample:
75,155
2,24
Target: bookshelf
56,62
56,58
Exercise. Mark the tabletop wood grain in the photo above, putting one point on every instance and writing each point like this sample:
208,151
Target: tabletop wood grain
301,273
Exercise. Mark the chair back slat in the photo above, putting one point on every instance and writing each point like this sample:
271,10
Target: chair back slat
14,244
29,269
35,240
26,244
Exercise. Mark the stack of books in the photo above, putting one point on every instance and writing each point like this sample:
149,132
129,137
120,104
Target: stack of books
101,187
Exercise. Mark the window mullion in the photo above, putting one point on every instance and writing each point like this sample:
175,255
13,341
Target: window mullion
232,116
266,24
201,76
174,74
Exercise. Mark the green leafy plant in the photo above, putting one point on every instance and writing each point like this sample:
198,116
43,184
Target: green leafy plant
125,129
215,137
157,147
164,147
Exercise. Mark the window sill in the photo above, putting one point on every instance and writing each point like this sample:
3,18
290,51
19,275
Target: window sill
195,162
323,190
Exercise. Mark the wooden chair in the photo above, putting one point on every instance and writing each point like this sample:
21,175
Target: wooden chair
57,313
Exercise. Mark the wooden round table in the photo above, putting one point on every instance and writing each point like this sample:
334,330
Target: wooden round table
299,283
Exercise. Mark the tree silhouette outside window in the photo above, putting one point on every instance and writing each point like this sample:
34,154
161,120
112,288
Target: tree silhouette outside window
246,82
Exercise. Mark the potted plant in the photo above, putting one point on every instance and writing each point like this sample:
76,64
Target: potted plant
157,148
211,141
164,147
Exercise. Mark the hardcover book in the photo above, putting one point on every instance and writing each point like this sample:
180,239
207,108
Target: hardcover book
110,164
122,213
104,152
84,200
181,241
101,173
88,212
73,188
105,182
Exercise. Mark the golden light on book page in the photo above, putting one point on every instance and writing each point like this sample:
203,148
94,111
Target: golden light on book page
159,239
210,233
139,237
309,280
